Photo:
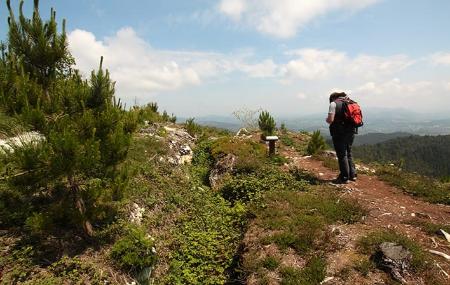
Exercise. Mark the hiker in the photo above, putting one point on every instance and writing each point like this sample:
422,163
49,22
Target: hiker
343,134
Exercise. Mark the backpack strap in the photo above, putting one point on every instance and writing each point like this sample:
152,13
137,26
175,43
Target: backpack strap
339,116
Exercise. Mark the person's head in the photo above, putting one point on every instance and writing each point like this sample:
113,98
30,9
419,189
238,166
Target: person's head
336,95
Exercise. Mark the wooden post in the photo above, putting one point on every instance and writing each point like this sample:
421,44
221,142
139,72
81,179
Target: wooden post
271,140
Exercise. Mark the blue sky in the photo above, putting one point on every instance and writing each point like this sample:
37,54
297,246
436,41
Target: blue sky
204,57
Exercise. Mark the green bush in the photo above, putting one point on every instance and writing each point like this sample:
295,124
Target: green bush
135,251
283,128
316,144
266,123
247,188
251,156
206,241
192,127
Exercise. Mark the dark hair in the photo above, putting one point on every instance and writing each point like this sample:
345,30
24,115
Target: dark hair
336,95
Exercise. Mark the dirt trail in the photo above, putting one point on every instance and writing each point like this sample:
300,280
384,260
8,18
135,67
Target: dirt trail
388,208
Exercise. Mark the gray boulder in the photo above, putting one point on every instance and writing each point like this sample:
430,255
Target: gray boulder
222,168
395,259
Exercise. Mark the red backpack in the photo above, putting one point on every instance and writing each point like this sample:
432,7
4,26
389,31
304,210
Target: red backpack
352,113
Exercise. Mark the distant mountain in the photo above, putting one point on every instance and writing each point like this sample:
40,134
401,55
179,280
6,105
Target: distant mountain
428,155
381,121
375,121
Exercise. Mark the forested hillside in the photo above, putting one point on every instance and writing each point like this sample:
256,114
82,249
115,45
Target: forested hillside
428,155
374,138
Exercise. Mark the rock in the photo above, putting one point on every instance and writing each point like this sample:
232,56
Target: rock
222,167
136,214
243,132
185,159
7,145
185,150
395,259
178,141
330,153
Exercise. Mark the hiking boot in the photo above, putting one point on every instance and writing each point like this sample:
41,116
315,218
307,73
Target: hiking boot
353,178
340,180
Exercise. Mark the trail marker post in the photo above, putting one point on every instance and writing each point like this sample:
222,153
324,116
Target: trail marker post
272,140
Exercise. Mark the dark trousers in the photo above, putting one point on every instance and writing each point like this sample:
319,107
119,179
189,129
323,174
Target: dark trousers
343,146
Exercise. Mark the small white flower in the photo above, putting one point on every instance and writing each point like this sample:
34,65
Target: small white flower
154,250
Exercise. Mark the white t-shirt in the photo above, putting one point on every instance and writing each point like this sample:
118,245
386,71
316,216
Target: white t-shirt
332,108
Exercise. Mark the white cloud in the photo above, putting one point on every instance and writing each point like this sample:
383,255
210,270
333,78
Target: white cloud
441,58
315,64
447,86
141,70
284,18
396,91
264,69
301,96
233,8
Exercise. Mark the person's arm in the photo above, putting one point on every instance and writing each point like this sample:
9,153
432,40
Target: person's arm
331,113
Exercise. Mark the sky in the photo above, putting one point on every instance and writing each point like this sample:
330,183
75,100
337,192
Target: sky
212,57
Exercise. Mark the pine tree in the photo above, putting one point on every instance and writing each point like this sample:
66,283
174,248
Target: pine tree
72,176
316,144
266,123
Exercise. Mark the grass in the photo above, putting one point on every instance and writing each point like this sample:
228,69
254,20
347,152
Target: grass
328,161
312,274
421,186
370,243
298,222
271,263
429,228
298,141
364,266
299,219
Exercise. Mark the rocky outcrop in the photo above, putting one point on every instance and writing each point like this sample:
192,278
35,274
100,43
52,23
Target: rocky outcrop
221,170
180,142
395,259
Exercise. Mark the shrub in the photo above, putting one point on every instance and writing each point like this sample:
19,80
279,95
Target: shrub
247,188
283,128
266,123
153,106
247,117
135,251
251,155
316,144
192,127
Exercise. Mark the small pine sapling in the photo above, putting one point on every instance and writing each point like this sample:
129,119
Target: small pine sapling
316,144
266,123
